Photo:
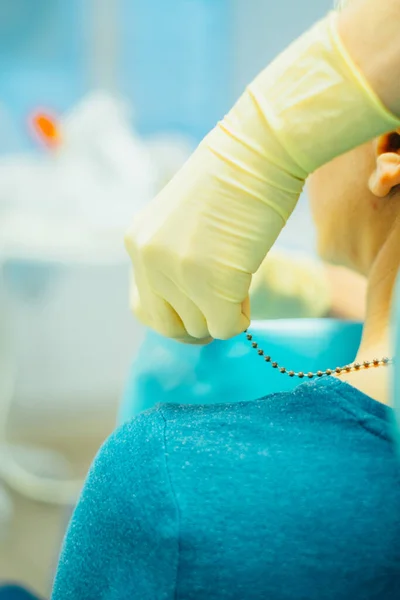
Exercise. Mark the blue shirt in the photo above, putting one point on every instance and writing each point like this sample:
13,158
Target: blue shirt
293,496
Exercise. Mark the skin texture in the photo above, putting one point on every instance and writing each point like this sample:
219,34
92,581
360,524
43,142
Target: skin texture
348,293
356,207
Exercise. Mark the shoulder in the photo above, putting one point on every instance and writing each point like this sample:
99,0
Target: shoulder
128,485
139,452
194,417
190,428
126,521
132,456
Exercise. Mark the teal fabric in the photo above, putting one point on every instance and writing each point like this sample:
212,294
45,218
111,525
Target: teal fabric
293,496
396,369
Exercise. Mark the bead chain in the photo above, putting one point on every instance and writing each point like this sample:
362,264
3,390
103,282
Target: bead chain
346,369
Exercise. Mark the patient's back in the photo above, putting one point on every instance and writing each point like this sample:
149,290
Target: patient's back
294,496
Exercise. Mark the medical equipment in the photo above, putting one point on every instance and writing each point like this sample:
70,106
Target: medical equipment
351,367
67,335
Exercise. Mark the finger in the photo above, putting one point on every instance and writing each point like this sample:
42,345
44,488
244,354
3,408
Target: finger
226,319
195,342
158,315
246,309
153,311
137,306
191,316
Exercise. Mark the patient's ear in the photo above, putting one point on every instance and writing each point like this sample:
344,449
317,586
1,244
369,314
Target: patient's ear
386,174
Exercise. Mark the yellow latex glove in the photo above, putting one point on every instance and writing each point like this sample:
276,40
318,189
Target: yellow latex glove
195,247
290,285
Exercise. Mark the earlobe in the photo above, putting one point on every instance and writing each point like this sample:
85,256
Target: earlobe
387,170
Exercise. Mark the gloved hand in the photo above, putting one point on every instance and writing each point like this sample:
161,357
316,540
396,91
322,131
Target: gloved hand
195,247
290,284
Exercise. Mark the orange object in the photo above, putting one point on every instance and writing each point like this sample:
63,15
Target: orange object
46,128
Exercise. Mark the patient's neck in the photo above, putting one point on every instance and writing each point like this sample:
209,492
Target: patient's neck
376,338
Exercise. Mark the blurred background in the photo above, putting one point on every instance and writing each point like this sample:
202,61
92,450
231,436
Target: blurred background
101,101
